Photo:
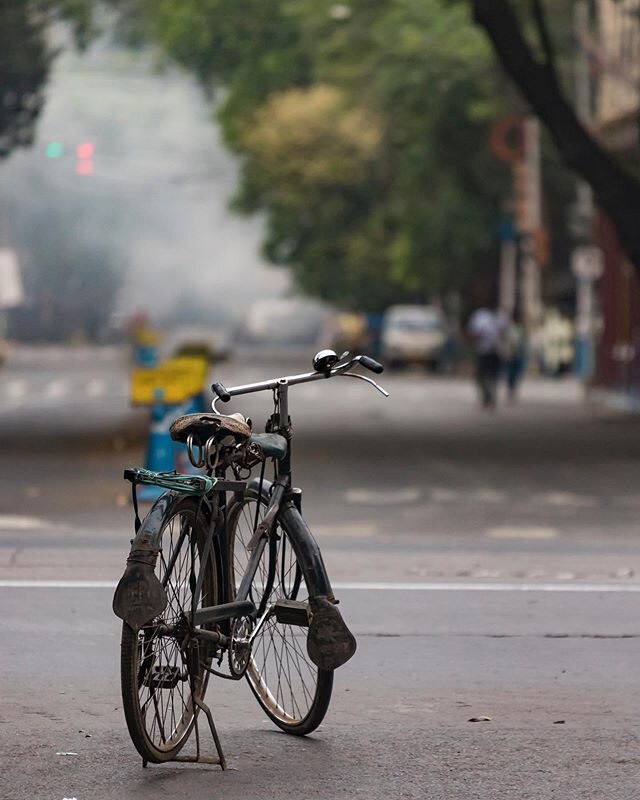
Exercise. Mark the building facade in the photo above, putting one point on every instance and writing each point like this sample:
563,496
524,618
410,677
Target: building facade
615,56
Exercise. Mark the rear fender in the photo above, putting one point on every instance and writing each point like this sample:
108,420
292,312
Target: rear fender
140,597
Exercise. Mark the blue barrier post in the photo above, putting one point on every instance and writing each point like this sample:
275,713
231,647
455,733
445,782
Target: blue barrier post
160,448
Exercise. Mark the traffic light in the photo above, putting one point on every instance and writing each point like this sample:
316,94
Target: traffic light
54,150
85,151
84,155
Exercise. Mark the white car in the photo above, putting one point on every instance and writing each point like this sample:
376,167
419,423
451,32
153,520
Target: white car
413,334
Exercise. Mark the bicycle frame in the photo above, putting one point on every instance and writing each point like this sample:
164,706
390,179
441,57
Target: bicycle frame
281,488
140,595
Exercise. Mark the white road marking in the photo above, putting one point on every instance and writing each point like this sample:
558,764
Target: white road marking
14,522
349,530
488,587
521,532
382,497
16,389
358,586
440,495
95,387
566,500
56,389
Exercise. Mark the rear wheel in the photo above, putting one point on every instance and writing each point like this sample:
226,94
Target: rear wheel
158,689
292,691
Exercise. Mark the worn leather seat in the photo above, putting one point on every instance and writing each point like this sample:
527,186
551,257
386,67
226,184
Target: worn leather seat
204,426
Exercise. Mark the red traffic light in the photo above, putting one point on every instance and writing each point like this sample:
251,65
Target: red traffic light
85,150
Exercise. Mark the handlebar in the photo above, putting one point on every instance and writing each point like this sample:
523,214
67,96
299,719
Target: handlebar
340,369
371,364
222,393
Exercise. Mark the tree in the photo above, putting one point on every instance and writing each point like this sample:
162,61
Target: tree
533,68
25,59
408,212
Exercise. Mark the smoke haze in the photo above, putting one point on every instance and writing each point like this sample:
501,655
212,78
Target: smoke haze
155,209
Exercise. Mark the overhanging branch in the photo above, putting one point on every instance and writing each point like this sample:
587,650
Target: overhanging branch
546,42
616,190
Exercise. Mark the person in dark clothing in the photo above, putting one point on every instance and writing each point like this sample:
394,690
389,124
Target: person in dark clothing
486,328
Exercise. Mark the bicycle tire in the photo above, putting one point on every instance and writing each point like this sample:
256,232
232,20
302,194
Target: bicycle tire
294,719
141,652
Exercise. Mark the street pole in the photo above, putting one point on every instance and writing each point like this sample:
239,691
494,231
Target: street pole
529,224
508,266
584,210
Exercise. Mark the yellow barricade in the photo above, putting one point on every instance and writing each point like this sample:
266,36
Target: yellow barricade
171,382
146,337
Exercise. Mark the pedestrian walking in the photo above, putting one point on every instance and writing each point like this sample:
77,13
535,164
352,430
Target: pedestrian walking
486,328
514,355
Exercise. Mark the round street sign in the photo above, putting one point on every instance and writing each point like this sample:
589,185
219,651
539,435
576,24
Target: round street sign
587,263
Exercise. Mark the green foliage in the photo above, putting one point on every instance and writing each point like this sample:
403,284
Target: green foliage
363,128
25,59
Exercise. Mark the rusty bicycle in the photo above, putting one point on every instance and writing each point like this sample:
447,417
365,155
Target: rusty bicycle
224,578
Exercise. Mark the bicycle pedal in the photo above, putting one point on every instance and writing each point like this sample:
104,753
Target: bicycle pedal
292,612
165,677
330,643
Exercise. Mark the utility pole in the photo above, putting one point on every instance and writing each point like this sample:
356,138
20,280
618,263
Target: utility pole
528,191
586,258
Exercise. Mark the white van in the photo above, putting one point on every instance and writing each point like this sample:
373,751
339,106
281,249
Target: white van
413,335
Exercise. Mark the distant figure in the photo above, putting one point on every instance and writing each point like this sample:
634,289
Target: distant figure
514,355
486,327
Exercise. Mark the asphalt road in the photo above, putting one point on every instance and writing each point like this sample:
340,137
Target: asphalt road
554,672
492,561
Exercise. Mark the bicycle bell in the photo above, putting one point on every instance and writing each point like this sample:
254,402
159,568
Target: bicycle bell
324,361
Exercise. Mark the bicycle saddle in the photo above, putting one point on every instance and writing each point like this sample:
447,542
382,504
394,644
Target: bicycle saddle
204,426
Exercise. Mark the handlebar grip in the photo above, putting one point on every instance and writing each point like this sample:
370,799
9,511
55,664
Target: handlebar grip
372,364
222,393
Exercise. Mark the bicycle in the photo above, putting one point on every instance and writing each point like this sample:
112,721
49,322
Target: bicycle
224,568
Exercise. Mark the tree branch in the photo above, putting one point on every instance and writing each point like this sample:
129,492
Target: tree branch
616,190
540,17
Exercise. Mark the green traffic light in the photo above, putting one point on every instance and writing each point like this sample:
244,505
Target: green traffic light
54,150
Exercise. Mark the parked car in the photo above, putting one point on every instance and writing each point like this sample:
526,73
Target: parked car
413,334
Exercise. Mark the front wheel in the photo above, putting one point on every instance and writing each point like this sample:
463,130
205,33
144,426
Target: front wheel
291,689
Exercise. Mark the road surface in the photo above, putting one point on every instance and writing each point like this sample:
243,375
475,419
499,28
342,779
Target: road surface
487,564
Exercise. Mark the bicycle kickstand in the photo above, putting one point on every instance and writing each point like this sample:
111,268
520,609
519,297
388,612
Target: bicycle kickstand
207,711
